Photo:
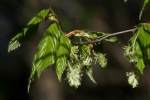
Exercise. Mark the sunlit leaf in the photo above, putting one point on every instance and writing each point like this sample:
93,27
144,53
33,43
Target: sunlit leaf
144,39
39,17
138,58
134,53
61,64
62,54
138,51
14,43
28,30
46,53
78,53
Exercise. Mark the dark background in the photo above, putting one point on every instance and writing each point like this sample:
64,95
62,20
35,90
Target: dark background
95,15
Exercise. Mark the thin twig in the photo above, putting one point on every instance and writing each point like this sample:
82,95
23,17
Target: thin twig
114,34
99,39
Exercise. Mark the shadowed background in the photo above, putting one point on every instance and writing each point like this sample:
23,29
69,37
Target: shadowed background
95,15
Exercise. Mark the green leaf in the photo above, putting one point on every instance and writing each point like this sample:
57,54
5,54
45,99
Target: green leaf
14,42
144,39
64,46
39,17
138,58
45,54
61,65
146,2
29,29
55,30
134,53
62,54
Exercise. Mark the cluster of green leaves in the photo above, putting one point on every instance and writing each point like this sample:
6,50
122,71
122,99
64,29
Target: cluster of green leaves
53,48
82,59
58,50
29,29
138,49
78,53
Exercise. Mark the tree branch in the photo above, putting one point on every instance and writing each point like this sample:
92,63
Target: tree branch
101,38
114,34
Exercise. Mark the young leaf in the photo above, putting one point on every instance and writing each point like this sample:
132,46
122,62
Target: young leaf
144,39
138,58
42,15
62,54
134,53
29,29
14,42
139,47
55,30
61,64
45,54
